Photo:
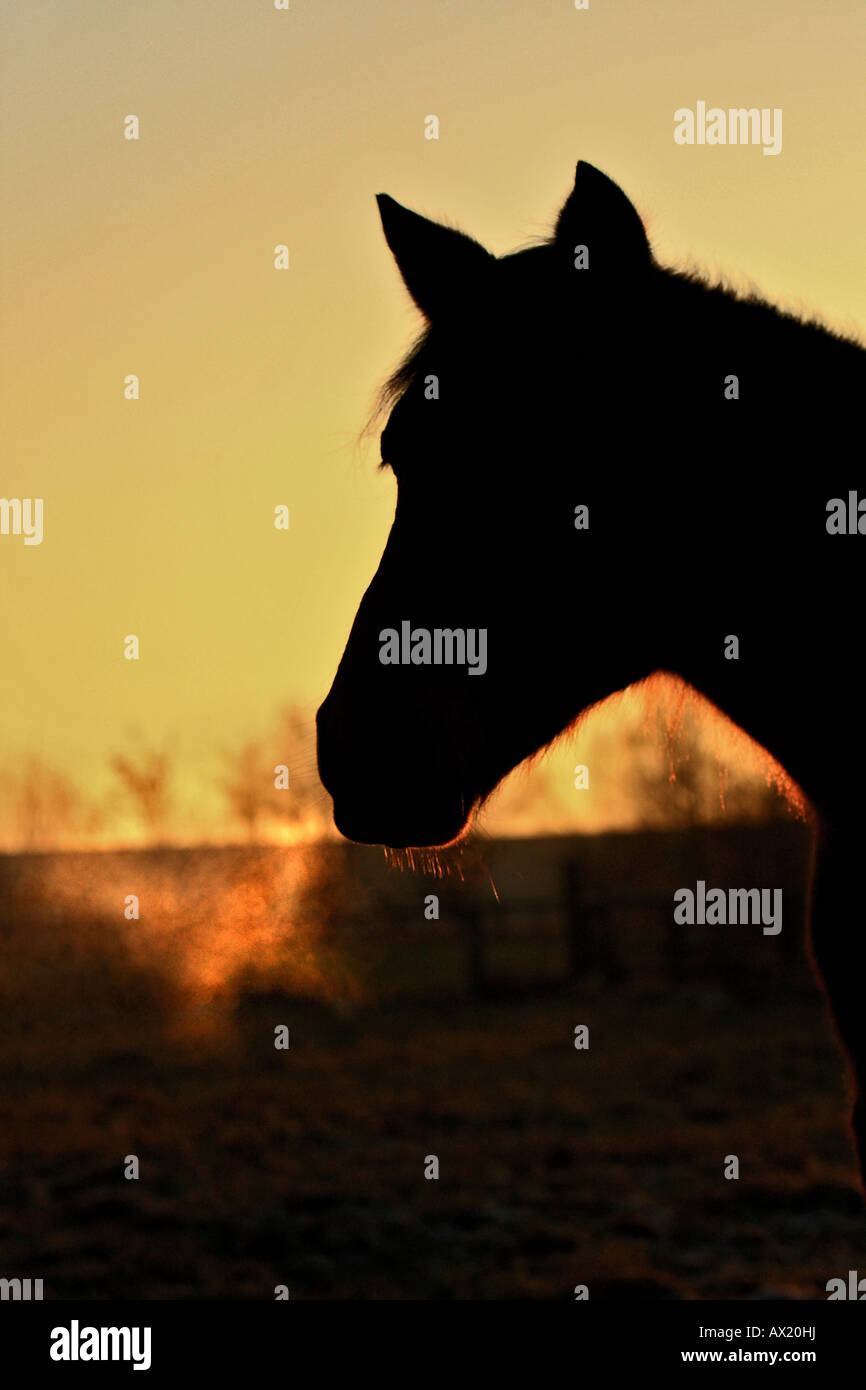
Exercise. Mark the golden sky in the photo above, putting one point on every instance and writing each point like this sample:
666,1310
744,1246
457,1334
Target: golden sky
155,257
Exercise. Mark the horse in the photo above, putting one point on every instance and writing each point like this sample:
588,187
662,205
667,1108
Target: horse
611,468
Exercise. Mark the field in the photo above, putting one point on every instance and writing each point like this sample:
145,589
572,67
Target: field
154,1037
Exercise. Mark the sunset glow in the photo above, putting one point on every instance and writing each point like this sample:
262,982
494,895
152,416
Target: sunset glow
155,257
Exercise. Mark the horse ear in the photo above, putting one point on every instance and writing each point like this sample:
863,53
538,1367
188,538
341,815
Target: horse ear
440,266
598,215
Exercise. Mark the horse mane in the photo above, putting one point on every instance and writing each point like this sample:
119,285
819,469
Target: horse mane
397,383
726,293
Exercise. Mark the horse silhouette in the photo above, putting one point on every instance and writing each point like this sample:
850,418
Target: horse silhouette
611,468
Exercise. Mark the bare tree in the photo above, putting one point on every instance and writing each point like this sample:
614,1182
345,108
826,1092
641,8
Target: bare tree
147,781
46,807
247,786
682,779
254,788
